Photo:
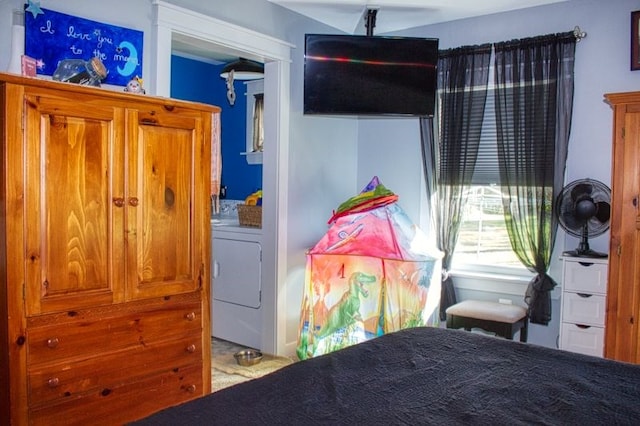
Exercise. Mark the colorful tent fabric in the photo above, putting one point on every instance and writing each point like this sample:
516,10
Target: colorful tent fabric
372,196
373,272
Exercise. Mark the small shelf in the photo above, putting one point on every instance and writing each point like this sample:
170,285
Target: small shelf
253,157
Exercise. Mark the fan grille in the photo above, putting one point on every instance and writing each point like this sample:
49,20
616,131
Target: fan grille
583,208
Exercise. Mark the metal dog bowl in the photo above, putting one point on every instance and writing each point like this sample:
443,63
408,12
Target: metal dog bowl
248,357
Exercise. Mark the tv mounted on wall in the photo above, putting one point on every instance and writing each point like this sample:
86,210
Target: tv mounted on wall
369,75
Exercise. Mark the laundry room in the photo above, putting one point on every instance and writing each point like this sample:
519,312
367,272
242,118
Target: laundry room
235,85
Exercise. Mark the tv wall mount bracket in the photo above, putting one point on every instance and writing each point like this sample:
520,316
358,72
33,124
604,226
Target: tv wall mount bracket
370,20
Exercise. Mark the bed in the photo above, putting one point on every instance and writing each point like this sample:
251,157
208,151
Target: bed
428,376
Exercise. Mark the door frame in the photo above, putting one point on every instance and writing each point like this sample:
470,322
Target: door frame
172,21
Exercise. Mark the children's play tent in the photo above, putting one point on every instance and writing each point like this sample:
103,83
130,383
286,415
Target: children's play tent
373,272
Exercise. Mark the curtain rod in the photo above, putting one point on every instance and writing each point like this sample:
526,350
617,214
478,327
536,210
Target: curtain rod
578,33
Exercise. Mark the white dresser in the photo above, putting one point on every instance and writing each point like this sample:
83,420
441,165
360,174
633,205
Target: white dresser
584,295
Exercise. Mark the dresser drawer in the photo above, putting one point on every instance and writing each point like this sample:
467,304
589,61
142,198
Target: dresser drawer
125,401
88,335
76,379
586,340
584,276
585,309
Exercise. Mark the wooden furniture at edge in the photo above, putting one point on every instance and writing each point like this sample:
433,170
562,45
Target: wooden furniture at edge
622,332
104,248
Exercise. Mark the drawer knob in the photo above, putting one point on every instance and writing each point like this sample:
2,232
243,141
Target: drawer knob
52,342
53,382
191,388
190,316
191,348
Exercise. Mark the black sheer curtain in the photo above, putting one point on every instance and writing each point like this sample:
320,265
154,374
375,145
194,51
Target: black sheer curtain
463,75
533,101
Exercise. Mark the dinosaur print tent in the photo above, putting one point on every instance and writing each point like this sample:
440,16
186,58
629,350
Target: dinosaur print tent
373,272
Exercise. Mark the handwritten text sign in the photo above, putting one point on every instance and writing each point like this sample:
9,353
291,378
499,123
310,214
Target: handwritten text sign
52,36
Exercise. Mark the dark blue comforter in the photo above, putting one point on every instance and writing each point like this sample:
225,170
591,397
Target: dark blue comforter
428,376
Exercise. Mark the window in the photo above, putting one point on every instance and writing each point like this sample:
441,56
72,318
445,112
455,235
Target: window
483,242
258,128
255,121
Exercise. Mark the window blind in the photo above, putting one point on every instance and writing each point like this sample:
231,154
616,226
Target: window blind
487,169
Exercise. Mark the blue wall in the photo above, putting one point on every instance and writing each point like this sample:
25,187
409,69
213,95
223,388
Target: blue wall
200,82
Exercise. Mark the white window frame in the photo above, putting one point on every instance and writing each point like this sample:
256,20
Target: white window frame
518,275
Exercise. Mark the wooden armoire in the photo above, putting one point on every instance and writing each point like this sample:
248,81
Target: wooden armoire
104,253
622,332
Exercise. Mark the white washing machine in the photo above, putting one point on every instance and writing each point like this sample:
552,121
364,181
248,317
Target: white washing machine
236,283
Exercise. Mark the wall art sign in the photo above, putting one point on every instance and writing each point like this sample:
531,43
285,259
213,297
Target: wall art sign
52,36
635,40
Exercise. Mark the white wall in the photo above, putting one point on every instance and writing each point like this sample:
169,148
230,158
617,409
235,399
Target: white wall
330,159
602,66
390,149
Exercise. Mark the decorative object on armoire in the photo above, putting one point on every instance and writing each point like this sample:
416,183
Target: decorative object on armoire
104,307
17,42
88,73
51,37
241,69
33,7
635,40
622,333
583,208
29,66
135,86
372,273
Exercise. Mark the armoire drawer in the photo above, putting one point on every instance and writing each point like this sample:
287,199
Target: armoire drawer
75,379
585,309
588,340
125,401
85,336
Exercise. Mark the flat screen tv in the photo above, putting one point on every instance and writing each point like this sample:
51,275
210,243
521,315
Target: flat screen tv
369,75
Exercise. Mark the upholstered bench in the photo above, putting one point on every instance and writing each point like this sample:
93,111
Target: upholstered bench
503,319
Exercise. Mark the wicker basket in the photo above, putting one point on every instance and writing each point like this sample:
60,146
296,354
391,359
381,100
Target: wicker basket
250,215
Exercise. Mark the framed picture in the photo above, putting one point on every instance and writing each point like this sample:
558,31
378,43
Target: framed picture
635,40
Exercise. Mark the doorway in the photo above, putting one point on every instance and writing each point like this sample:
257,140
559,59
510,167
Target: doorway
177,26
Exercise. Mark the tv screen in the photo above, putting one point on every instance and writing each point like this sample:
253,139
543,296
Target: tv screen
369,75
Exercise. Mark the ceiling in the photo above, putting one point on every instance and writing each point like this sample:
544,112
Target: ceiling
395,15
349,17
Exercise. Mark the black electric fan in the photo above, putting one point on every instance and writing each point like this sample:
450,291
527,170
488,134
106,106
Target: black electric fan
584,208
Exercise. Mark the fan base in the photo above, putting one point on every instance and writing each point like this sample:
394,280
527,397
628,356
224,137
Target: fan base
585,253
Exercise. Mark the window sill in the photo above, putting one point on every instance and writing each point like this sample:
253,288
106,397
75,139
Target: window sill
494,282
493,275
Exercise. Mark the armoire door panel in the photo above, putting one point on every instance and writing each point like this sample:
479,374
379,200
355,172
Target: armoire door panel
70,241
623,297
162,201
